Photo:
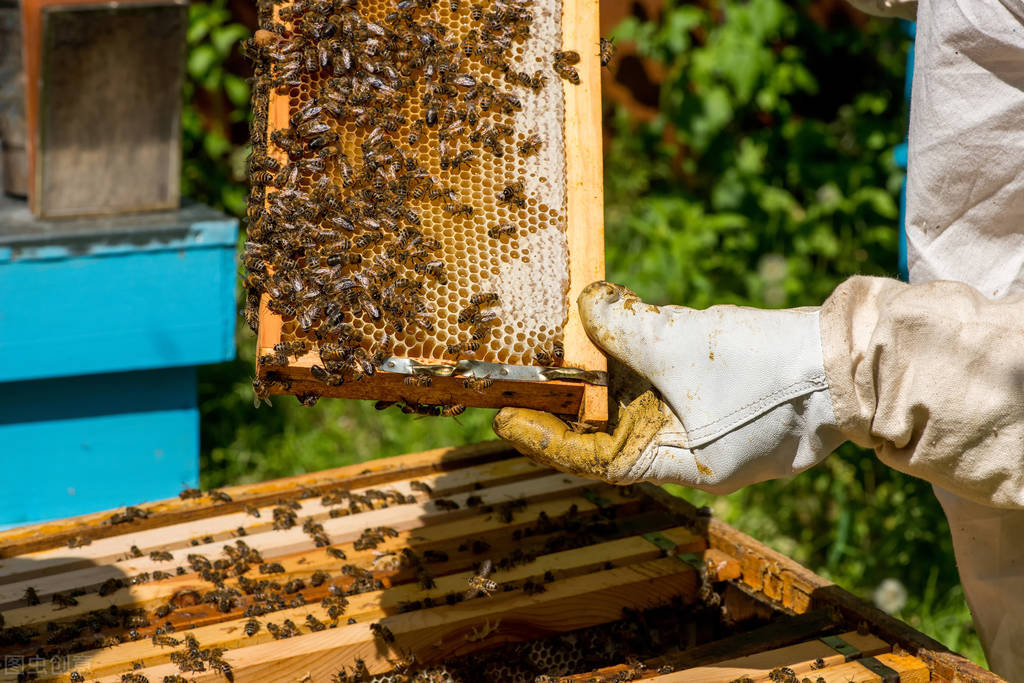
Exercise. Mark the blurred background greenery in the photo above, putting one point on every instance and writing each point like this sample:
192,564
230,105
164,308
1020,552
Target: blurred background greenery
748,160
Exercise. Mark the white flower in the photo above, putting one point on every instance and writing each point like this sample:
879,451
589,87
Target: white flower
890,596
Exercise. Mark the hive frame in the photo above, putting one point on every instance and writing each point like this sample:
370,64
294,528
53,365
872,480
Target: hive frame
586,401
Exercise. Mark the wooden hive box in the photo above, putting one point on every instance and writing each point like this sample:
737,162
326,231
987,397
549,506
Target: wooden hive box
372,225
103,105
373,570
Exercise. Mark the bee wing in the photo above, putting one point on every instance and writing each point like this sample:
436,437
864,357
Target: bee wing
485,568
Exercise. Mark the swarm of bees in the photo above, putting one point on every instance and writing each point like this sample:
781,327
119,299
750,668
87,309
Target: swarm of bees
336,241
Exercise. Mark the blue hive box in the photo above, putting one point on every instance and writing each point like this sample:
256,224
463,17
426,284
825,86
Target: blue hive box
102,324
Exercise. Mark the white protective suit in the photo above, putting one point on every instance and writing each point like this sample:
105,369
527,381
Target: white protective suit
965,222
930,375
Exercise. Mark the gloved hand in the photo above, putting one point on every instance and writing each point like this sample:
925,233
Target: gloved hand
734,396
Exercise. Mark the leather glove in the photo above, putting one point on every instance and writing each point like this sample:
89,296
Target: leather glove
733,396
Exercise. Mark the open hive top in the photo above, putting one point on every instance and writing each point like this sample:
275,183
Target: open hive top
379,572
410,181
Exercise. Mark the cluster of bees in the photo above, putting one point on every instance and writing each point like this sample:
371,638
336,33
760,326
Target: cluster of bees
242,581
333,256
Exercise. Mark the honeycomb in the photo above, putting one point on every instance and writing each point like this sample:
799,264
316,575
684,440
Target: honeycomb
398,275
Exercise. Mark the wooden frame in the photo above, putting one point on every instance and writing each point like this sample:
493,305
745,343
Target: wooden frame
160,161
636,566
584,402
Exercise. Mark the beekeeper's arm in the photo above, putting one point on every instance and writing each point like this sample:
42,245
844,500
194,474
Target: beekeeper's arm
930,376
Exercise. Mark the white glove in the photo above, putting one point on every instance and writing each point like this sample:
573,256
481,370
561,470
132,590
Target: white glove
743,397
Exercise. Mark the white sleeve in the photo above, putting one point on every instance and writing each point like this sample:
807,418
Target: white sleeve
932,377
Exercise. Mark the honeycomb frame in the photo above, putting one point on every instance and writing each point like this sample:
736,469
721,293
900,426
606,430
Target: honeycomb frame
582,217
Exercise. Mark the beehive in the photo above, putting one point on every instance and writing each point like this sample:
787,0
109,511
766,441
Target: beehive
451,161
367,573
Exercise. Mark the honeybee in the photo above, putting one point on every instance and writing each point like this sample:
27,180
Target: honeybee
453,410
187,493
79,541
165,641
485,299
218,496
530,146
252,627
458,209
567,72
382,632
513,194
434,269
501,230
463,158
541,357
567,56
63,601
478,384
418,380
480,583
606,51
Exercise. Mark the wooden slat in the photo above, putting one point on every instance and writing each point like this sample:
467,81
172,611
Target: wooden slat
223,527
800,658
275,543
372,473
584,192
563,398
446,536
910,670
784,631
377,605
435,634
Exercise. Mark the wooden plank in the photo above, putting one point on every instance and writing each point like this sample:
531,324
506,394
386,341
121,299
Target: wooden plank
106,93
223,527
442,632
275,543
782,632
379,604
553,396
584,192
808,591
35,537
910,670
785,631
720,567
803,659
445,537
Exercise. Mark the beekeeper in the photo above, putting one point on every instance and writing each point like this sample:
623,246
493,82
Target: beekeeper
930,374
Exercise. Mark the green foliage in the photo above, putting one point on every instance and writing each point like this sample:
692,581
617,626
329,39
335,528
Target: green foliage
216,101
752,184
